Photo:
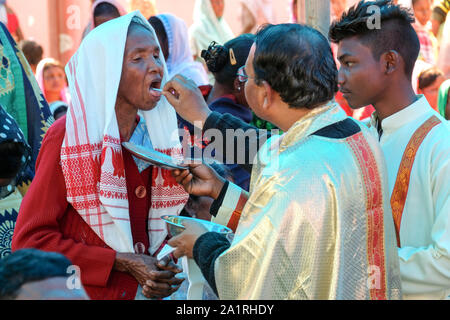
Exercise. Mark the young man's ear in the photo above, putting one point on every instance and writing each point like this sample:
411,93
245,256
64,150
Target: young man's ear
391,60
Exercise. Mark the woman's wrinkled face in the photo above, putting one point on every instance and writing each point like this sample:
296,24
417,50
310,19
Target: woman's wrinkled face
142,69
218,7
54,79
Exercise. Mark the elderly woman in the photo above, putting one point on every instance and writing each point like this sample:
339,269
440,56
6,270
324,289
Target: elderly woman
91,200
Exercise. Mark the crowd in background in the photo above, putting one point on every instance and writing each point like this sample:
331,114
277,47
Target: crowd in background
431,71
208,53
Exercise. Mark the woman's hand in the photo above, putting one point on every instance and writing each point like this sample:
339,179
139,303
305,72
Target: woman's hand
185,241
157,279
200,180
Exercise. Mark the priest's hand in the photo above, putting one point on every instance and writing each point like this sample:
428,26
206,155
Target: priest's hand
187,99
156,279
200,180
185,241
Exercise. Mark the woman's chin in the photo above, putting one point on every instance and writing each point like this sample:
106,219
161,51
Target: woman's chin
150,105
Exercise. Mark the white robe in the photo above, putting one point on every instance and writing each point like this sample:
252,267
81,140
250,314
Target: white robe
317,224
425,227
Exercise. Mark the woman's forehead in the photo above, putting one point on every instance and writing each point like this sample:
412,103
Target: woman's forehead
140,37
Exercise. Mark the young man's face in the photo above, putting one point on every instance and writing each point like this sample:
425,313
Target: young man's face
361,78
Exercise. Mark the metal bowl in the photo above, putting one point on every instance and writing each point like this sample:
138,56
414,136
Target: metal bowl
175,225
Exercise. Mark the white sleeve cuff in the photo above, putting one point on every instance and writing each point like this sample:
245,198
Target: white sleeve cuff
229,204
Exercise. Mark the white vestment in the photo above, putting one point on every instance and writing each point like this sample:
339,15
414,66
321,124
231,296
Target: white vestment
425,225
317,223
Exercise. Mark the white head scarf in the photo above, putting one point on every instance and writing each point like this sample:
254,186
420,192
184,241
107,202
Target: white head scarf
91,154
207,28
3,14
180,59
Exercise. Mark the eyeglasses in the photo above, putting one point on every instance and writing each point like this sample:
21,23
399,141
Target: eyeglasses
242,76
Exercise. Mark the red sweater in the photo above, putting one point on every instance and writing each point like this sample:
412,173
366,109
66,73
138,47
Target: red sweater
48,222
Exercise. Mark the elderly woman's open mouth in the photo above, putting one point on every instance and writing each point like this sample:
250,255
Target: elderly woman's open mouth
155,88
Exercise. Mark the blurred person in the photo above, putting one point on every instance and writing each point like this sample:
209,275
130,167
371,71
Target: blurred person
440,20
428,84
444,99
22,98
173,36
337,8
254,13
227,95
103,208
9,18
419,67
443,62
146,7
15,155
31,274
439,15
103,11
33,52
298,226
293,11
209,25
422,26
376,68
58,109
52,80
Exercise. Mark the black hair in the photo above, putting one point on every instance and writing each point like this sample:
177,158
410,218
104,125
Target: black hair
32,51
27,265
396,32
427,77
297,62
161,33
60,112
11,158
106,9
225,60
